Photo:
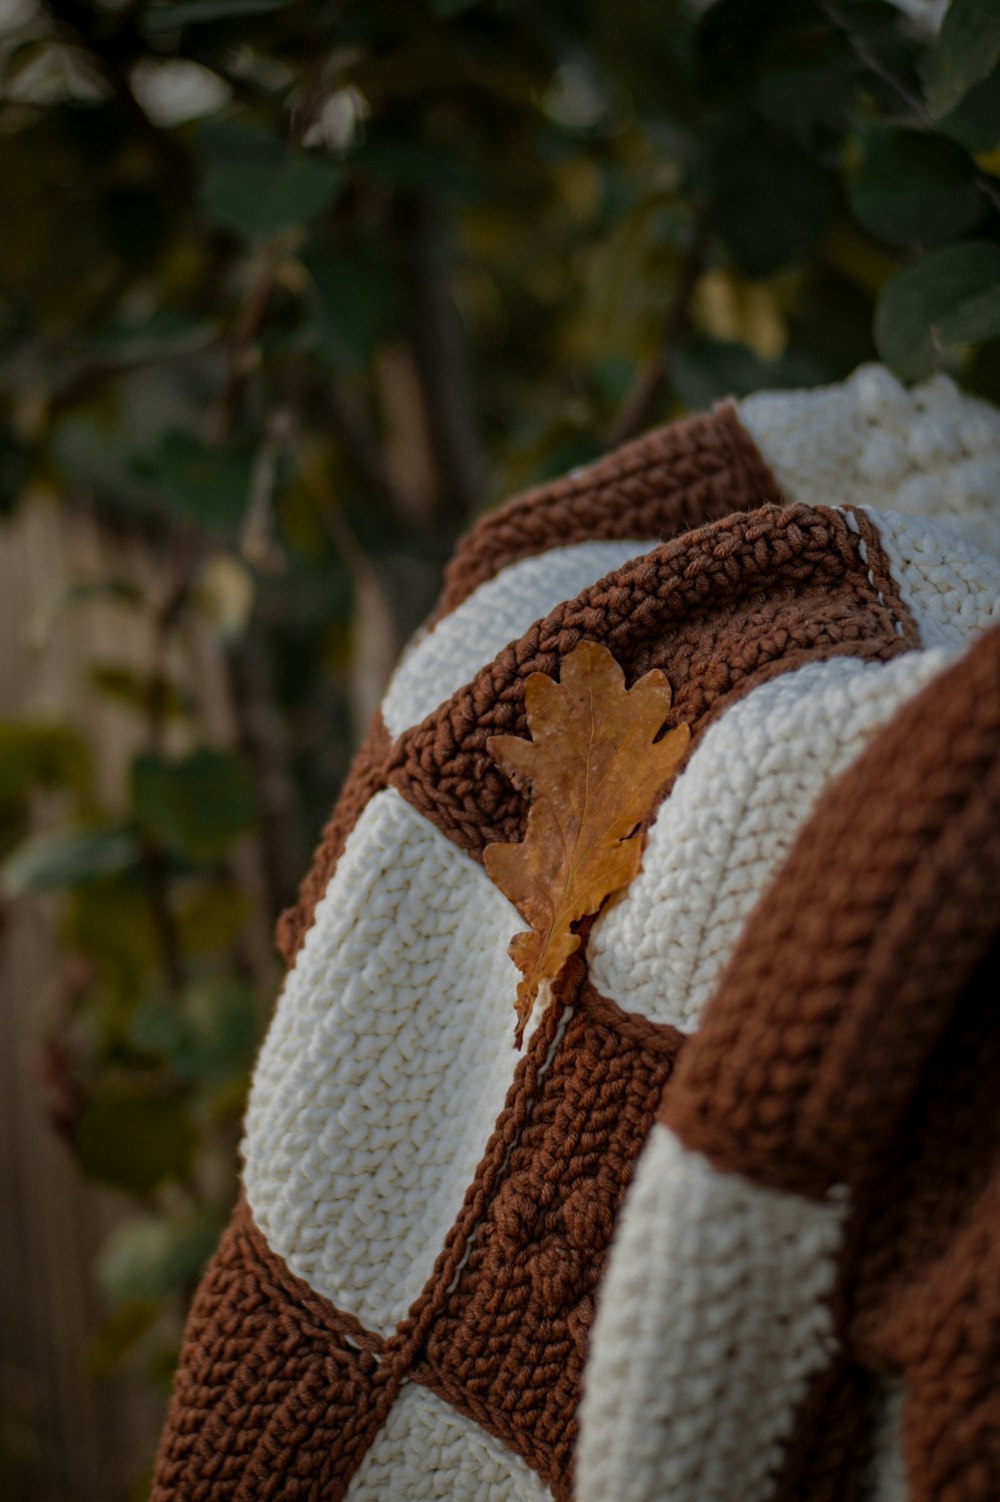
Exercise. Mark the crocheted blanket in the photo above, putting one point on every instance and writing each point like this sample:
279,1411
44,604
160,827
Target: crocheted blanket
757,1125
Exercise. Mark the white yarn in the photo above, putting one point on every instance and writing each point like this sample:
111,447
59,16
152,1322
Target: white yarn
932,451
385,1067
886,1478
498,612
729,822
428,1452
951,586
710,1322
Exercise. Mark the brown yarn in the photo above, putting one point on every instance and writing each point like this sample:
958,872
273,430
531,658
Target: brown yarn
275,1394
677,477
851,966
927,1302
508,1346
854,1038
365,779
720,610
279,1394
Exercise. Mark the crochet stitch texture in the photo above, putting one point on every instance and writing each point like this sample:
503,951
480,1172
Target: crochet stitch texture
758,1128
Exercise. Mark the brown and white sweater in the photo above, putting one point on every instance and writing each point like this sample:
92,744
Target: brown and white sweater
785,1037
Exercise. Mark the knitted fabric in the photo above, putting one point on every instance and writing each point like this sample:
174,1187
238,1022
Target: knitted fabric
757,1128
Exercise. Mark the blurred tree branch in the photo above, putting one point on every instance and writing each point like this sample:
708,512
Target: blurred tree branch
643,401
441,353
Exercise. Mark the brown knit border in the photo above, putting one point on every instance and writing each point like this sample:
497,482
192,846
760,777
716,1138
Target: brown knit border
926,1296
850,966
875,559
507,1339
675,478
275,1387
720,610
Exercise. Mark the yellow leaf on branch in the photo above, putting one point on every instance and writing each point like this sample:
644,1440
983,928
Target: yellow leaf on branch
592,770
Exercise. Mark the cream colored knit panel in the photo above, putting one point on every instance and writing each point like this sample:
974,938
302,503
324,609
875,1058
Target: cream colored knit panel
931,451
385,1067
428,1452
710,1322
729,822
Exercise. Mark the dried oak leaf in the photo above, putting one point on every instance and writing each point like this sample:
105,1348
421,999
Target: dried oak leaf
591,770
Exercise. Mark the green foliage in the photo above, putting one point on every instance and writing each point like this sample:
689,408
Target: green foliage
68,858
134,1139
149,1257
208,1034
913,187
257,184
966,52
40,754
195,806
938,305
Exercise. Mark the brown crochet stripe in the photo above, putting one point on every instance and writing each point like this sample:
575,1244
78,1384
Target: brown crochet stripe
720,610
927,1296
277,1393
364,779
508,1340
677,477
919,1288
852,964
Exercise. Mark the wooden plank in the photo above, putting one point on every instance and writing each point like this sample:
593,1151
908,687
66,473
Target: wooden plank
65,1437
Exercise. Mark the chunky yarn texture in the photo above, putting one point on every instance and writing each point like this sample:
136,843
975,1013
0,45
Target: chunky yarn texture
728,1228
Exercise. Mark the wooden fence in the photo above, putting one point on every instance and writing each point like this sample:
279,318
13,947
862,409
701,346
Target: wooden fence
66,1436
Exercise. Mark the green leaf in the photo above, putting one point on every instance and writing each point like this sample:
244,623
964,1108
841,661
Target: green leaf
358,304
930,310
770,201
705,371
36,754
68,858
137,691
258,185
111,921
211,918
975,124
208,482
152,1256
129,1137
912,187
210,1033
966,52
196,806
162,19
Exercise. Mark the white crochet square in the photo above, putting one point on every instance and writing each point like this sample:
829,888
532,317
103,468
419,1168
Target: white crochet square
951,585
729,822
711,1320
428,1452
386,1066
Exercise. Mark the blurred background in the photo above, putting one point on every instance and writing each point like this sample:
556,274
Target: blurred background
289,292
